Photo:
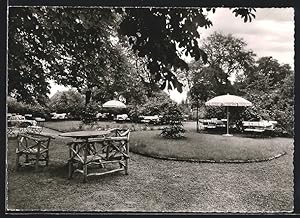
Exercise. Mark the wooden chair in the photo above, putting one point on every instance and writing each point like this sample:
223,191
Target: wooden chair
34,148
117,148
34,129
11,131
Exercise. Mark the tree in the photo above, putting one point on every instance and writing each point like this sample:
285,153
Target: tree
201,90
75,46
67,44
124,85
154,105
227,57
265,74
270,85
175,33
27,79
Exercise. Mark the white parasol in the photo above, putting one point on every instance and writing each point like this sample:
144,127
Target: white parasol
114,104
228,101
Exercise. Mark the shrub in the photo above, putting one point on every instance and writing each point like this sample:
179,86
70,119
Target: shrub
88,115
173,117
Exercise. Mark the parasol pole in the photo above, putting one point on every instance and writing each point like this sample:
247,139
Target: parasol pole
227,120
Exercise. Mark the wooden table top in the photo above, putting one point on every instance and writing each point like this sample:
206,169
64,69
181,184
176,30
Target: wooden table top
85,134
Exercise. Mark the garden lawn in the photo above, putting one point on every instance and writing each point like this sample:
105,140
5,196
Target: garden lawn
208,147
63,126
153,185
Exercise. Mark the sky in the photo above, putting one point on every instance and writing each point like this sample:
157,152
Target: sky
271,33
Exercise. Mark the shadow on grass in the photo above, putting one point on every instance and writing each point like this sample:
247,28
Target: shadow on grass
253,135
59,170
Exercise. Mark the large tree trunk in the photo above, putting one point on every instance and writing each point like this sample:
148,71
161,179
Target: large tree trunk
88,95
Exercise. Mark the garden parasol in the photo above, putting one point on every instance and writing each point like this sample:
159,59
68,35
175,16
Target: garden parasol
114,104
228,101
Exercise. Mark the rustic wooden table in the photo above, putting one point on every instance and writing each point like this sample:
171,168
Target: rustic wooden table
90,147
85,134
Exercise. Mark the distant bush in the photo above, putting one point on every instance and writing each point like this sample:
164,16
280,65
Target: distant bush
70,101
14,106
154,105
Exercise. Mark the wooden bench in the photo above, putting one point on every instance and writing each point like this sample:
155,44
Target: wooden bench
212,123
253,130
258,126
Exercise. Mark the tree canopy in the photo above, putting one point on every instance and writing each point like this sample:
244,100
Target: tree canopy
164,35
227,57
70,45
271,86
76,46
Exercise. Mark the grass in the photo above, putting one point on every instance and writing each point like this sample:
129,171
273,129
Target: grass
154,185
204,147
63,126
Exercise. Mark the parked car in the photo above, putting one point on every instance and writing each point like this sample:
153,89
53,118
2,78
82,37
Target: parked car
28,116
185,117
39,119
102,116
20,121
56,116
9,115
31,117
151,119
122,117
